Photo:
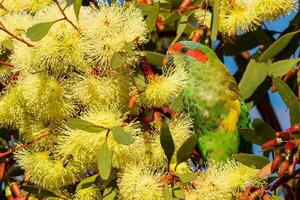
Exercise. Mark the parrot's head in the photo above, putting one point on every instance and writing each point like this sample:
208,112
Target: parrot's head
187,50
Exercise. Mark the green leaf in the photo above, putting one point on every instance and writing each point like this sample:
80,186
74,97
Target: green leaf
277,46
171,18
87,182
295,112
129,48
285,92
289,98
215,21
281,67
38,31
185,150
117,60
40,192
178,193
181,27
166,193
104,161
275,197
77,6
109,194
250,136
8,44
254,75
83,125
263,131
251,160
121,136
152,16
166,141
145,8
154,58
69,3
188,177
178,103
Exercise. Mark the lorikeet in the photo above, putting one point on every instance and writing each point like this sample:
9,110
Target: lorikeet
211,97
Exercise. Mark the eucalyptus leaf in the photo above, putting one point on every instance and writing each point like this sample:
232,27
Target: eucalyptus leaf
80,124
185,150
121,136
277,46
152,16
188,177
118,60
154,58
39,31
77,6
254,75
281,67
8,44
166,193
181,27
251,160
87,182
263,131
166,141
104,161
215,21
41,192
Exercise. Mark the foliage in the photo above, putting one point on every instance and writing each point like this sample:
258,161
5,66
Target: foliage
88,110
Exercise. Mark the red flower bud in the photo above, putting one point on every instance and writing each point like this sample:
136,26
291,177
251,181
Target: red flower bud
284,135
292,167
16,189
276,162
289,146
269,144
160,23
295,128
284,166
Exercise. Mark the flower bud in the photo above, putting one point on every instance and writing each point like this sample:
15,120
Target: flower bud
269,144
284,166
276,162
289,146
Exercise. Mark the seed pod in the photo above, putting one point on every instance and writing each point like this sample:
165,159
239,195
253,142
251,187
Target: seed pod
292,167
284,135
269,144
289,146
295,128
2,170
284,166
16,189
276,162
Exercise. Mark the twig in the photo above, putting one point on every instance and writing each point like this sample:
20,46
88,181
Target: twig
2,27
5,63
23,145
65,16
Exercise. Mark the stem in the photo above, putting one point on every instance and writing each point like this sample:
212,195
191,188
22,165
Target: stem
5,63
23,145
2,27
65,16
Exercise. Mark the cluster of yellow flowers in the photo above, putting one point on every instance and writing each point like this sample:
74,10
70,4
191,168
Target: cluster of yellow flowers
68,74
240,16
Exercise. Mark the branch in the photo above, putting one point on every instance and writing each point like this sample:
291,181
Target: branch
23,145
2,27
5,63
65,16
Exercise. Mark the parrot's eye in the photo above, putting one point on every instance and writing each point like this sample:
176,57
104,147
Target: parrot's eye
169,59
184,50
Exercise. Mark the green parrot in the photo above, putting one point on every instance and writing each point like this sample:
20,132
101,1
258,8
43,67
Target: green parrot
211,97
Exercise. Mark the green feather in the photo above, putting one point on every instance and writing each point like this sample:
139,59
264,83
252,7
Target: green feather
208,95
